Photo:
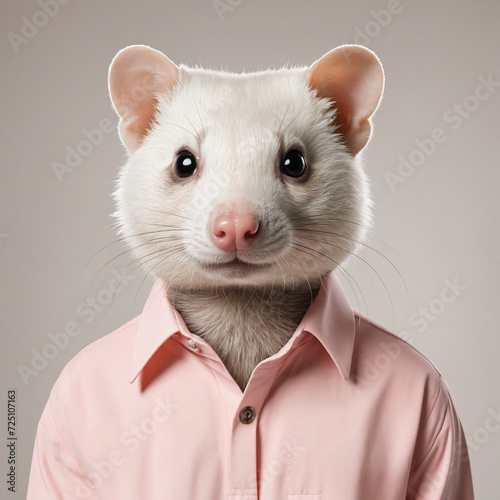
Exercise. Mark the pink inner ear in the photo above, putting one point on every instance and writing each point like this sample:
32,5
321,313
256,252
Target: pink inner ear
136,76
352,78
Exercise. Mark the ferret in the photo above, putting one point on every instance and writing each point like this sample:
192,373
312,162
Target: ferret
243,194
241,191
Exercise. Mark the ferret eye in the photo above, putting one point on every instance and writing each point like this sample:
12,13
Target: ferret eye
293,164
185,164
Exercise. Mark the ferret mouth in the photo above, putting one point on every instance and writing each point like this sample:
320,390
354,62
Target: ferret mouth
235,264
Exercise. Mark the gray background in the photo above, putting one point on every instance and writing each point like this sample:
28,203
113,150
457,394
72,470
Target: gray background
441,223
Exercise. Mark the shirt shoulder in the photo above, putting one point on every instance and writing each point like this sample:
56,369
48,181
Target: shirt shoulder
387,364
375,340
111,353
383,361
81,375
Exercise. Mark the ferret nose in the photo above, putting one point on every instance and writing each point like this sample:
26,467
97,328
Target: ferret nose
234,231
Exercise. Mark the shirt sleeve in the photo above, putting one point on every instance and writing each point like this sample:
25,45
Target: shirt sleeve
441,468
55,471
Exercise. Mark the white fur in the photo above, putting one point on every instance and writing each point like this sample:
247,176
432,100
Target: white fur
238,125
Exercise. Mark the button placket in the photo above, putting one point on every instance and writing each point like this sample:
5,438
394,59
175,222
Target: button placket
243,444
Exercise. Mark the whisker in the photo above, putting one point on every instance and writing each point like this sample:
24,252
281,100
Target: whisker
364,261
297,115
124,238
162,251
190,123
148,272
284,116
344,272
103,267
300,247
198,112
312,230
328,222
168,227
127,250
179,126
162,212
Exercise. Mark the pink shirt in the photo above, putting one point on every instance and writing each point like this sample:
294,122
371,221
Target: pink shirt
344,411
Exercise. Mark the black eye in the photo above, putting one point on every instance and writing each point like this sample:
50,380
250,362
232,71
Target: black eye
294,164
185,164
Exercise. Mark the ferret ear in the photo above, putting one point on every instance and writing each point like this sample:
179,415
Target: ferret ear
136,75
352,77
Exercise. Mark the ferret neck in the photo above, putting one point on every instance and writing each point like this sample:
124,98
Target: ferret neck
244,325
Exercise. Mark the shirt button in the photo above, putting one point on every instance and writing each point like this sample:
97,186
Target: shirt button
192,345
247,414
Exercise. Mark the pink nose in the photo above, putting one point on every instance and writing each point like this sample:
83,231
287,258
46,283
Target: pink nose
234,231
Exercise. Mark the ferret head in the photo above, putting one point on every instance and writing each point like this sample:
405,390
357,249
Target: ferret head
243,179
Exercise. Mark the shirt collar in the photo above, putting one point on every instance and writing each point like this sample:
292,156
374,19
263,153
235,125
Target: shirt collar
329,318
157,323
